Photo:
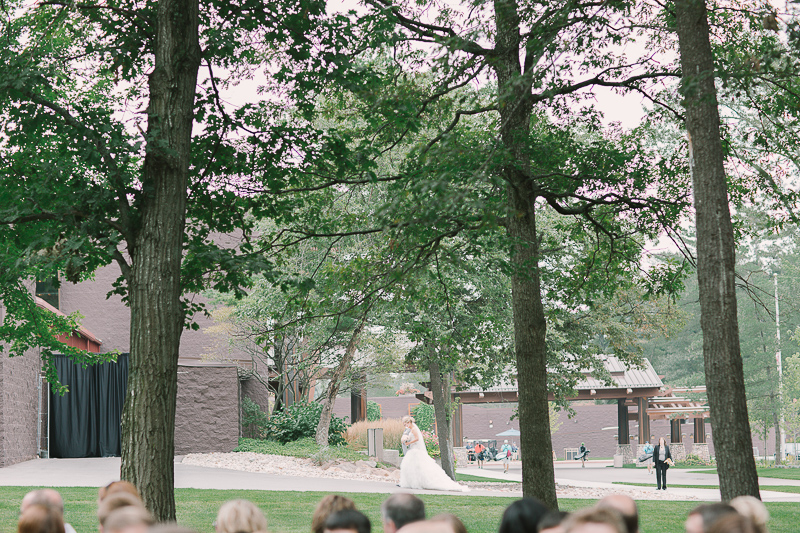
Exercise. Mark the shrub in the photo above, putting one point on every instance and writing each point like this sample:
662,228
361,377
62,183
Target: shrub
254,420
694,460
306,447
392,431
373,411
300,420
432,444
424,416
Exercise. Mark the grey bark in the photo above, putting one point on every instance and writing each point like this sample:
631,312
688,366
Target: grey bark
515,107
148,421
715,257
440,386
324,424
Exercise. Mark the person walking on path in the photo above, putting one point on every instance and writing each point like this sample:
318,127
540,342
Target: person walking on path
648,450
582,453
505,450
479,453
418,470
662,459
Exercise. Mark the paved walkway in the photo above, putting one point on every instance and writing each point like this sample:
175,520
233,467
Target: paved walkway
600,474
97,472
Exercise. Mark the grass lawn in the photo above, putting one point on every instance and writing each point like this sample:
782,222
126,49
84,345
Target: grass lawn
290,512
775,488
778,473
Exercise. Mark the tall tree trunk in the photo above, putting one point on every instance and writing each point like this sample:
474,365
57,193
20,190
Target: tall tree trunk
538,478
323,427
440,385
148,421
715,257
776,425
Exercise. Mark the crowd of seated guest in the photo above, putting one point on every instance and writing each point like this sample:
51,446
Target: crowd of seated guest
120,510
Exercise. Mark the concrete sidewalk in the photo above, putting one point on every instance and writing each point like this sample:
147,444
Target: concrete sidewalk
98,472
601,474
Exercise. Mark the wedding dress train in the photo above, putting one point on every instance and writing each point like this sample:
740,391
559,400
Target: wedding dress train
420,471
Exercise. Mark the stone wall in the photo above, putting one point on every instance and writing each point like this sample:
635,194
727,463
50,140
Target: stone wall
109,319
19,381
627,453
256,391
207,416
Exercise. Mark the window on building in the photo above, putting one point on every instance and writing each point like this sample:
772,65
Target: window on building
47,290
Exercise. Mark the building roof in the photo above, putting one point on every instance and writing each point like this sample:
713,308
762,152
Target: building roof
82,331
623,376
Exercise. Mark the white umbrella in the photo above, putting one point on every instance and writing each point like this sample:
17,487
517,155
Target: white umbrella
509,433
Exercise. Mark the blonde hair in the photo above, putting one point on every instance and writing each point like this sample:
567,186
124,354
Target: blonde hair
40,518
327,506
116,487
754,509
452,520
240,516
128,516
116,501
407,418
595,515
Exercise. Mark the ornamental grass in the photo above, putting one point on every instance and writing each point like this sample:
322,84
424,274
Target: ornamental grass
356,435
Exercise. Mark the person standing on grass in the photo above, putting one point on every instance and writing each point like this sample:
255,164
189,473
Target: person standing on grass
662,459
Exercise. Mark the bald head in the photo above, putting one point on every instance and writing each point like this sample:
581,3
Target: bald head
47,497
627,508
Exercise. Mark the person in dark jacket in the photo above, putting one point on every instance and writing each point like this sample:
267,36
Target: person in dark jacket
660,455
582,453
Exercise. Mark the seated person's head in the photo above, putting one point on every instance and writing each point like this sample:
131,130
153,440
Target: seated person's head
733,523
329,504
551,522
347,521
754,509
401,509
522,516
702,517
240,516
38,518
130,519
116,487
595,520
453,522
113,502
626,507
48,497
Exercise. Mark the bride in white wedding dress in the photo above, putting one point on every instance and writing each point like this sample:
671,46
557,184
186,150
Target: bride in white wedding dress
418,470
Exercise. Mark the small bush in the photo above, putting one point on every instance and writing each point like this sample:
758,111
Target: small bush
300,420
424,416
323,455
356,435
254,420
432,444
306,447
694,460
373,411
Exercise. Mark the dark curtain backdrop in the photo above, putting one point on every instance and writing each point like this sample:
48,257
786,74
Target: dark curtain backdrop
85,422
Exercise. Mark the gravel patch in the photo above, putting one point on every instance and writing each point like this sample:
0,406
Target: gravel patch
368,471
